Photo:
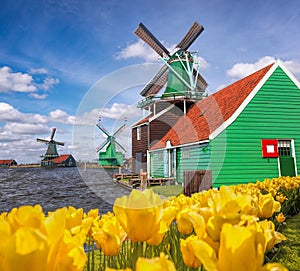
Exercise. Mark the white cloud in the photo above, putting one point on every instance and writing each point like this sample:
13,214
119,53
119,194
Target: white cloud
25,128
10,114
241,70
139,49
88,118
38,71
293,67
61,117
15,81
23,82
48,83
120,111
203,63
38,96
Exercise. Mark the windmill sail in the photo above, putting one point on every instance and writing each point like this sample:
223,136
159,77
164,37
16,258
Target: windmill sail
110,156
161,78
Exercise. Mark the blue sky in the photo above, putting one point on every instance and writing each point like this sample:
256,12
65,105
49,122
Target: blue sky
66,62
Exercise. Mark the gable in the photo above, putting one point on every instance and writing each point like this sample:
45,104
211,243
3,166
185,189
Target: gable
284,78
213,114
273,113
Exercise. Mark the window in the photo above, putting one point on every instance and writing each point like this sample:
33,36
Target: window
186,154
138,133
284,148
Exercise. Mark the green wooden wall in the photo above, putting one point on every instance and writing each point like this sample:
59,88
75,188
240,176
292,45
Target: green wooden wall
194,157
274,113
157,164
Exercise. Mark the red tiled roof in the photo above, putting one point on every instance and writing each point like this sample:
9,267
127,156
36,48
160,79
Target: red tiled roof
211,112
60,159
6,162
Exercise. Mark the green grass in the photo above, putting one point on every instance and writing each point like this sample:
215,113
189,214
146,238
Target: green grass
168,190
289,254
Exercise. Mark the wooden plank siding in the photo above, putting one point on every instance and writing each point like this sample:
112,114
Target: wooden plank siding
273,113
194,157
157,164
140,146
154,131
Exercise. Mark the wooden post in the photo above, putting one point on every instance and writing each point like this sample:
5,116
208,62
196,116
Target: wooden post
196,181
143,177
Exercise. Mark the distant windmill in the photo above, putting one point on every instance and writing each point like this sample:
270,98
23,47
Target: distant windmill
51,150
110,157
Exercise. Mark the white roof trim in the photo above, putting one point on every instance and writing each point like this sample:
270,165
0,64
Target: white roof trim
288,73
234,116
182,145
141,124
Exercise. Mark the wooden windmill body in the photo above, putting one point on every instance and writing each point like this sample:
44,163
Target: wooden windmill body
184,87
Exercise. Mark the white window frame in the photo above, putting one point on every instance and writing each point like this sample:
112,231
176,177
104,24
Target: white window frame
138,133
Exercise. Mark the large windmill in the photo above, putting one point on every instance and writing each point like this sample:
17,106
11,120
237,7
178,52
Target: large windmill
110,157
180,70
51,152
184,87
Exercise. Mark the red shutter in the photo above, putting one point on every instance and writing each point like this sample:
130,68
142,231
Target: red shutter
269,148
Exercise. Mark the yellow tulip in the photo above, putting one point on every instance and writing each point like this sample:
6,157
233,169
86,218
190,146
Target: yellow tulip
215,224
280,218
26,250
66,250
281,198
272,237
239,249
26,216
268,206
168,215
109,237
139,214
161,263
274,267
184,223
112,269
196,252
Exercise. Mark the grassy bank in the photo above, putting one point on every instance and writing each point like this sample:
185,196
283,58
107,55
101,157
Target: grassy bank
289,254
168,190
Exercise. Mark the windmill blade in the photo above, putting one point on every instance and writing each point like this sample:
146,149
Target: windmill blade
59,143
102,145
53,133
102,129
42,140
201,83
156,83
190,36
143,33
116,142
119,130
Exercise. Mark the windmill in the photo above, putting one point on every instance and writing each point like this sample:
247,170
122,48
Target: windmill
110,157
179,70
184,87
51,152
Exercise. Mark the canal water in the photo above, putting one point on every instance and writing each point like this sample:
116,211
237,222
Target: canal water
58,187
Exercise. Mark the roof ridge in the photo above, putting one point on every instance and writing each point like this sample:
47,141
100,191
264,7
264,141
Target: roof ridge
210,114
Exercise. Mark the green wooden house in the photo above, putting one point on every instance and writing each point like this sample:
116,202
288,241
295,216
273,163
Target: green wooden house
245,132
